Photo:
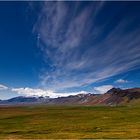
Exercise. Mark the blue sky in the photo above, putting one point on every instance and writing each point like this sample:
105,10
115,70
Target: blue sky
62,48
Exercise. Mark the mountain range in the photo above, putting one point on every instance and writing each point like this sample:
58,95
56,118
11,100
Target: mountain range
114,96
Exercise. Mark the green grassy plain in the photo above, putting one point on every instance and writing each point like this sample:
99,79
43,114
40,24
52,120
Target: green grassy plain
68,122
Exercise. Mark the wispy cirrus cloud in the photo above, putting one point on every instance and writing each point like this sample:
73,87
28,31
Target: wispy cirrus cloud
81,47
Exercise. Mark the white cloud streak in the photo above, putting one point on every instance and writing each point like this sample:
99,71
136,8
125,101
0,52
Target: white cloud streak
121,81
3,87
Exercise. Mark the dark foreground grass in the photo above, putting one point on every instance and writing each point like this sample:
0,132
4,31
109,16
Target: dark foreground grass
69,122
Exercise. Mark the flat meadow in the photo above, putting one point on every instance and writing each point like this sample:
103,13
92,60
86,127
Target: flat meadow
69,122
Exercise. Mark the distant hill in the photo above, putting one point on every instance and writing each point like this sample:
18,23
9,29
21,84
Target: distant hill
114,96
24,100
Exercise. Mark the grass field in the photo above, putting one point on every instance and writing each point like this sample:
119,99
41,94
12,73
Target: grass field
69,122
